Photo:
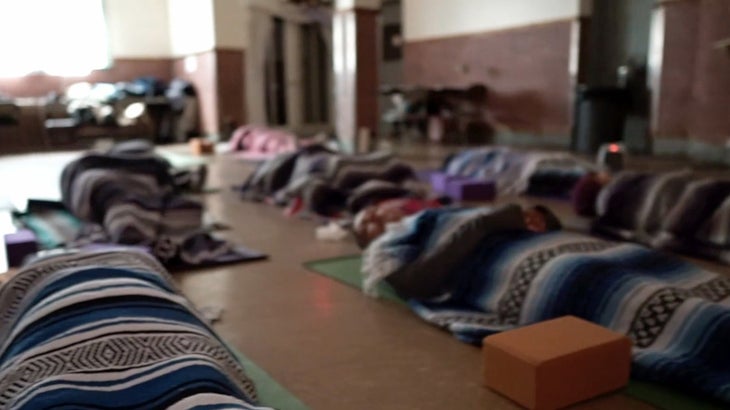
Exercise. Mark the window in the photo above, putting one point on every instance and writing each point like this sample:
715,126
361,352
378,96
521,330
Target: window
57,37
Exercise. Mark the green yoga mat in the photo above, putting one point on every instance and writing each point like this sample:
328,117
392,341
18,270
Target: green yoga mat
271,393
346,269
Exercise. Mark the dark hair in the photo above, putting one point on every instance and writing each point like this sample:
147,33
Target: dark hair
552,223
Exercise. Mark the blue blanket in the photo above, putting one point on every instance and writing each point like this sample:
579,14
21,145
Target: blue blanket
677,314
109,330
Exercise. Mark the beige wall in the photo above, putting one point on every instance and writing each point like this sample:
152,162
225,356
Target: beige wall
426,19
191,26
231,23
173,28
138,28
232,27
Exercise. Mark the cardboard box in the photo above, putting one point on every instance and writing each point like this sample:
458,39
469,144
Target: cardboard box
556,363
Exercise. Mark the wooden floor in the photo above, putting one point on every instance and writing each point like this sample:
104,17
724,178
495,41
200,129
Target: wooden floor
327,343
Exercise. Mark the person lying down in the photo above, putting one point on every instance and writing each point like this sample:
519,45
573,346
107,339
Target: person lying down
371,222
479,271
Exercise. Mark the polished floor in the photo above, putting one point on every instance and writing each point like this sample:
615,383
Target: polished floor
329,344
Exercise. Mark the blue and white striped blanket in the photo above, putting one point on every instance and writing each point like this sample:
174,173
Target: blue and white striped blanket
109,330
677,314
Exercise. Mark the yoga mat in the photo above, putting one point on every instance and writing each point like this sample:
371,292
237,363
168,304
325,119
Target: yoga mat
52,227
270,392
346,269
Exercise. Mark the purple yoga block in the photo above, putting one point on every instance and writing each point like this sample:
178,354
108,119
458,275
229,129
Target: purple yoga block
19,245
471,190
440,181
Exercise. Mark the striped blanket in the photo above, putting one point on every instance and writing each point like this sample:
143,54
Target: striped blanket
109,330
676,210
677,314
520,172
326,183
135,199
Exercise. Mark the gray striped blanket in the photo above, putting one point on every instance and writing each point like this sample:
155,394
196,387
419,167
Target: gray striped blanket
135,200
327,183
676,210
520,172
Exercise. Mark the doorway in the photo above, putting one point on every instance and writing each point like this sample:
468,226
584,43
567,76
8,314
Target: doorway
275,76
619,42
315,62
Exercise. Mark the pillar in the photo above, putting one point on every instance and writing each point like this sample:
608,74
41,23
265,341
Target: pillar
355,62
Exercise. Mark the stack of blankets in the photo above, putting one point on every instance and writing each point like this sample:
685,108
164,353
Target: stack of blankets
327,183
518,172
679,211
109,330
133,197
476,272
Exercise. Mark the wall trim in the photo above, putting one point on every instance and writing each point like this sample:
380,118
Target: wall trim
208,51
708,152
661,3
532,140
697,150
670,146
665,147
495,31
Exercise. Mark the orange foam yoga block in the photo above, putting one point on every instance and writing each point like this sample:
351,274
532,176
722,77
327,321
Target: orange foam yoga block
200,146
556,363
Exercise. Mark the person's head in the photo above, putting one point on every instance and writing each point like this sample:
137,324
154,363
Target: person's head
371,221
540,219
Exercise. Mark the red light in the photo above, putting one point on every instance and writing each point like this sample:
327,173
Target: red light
613,148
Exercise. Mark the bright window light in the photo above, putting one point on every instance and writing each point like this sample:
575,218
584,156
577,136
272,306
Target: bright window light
57,37
134,110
